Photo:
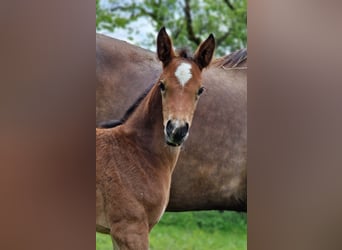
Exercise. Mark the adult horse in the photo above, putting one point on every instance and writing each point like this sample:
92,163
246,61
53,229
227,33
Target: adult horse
135,160
211,171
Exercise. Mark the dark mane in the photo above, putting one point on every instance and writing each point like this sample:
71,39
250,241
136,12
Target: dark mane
233,60
128,113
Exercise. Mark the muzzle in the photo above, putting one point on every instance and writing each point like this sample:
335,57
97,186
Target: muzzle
176,132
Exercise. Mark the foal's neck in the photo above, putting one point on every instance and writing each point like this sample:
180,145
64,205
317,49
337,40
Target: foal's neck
146,126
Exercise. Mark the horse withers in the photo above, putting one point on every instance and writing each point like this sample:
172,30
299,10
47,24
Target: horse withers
135,160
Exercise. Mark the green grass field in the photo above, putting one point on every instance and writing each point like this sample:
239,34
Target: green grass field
194,231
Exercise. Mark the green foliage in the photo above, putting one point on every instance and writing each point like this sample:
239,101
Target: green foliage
194,230
189,21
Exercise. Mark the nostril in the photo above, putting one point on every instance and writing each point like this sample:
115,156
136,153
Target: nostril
187,126
184,130
177,130
169,127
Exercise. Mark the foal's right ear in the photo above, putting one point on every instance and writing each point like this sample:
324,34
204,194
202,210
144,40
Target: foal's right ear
164,47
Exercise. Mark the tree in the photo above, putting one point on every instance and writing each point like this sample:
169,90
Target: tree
189,21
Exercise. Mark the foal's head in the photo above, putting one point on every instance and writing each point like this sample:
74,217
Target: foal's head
180,85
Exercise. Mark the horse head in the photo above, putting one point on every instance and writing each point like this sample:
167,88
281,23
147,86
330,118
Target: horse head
181,85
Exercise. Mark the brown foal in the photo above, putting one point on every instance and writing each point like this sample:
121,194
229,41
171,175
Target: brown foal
135,160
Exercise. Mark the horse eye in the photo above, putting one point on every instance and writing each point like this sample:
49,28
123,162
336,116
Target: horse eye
162,86
200,91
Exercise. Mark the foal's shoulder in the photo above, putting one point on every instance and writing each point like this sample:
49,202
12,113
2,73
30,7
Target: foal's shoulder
110,136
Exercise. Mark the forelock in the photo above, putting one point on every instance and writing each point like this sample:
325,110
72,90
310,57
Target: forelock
184,53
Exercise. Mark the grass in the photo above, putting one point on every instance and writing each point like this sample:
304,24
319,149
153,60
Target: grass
194,231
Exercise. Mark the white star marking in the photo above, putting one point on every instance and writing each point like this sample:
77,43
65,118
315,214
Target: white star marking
183,73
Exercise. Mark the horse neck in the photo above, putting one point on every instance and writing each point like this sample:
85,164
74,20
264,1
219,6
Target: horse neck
146,125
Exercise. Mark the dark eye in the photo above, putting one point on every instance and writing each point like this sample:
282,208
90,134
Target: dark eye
162,86
200,91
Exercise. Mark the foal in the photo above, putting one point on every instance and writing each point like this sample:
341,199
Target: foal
135,160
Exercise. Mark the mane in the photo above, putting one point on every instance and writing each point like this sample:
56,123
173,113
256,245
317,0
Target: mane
233,60
128,113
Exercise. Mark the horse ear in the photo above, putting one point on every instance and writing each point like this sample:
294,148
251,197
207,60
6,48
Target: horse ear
204,52
164,47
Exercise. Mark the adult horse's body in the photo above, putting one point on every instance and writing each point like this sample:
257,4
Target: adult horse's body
211,170
135,160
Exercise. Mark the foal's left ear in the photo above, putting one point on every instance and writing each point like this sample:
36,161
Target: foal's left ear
204,52
164,47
